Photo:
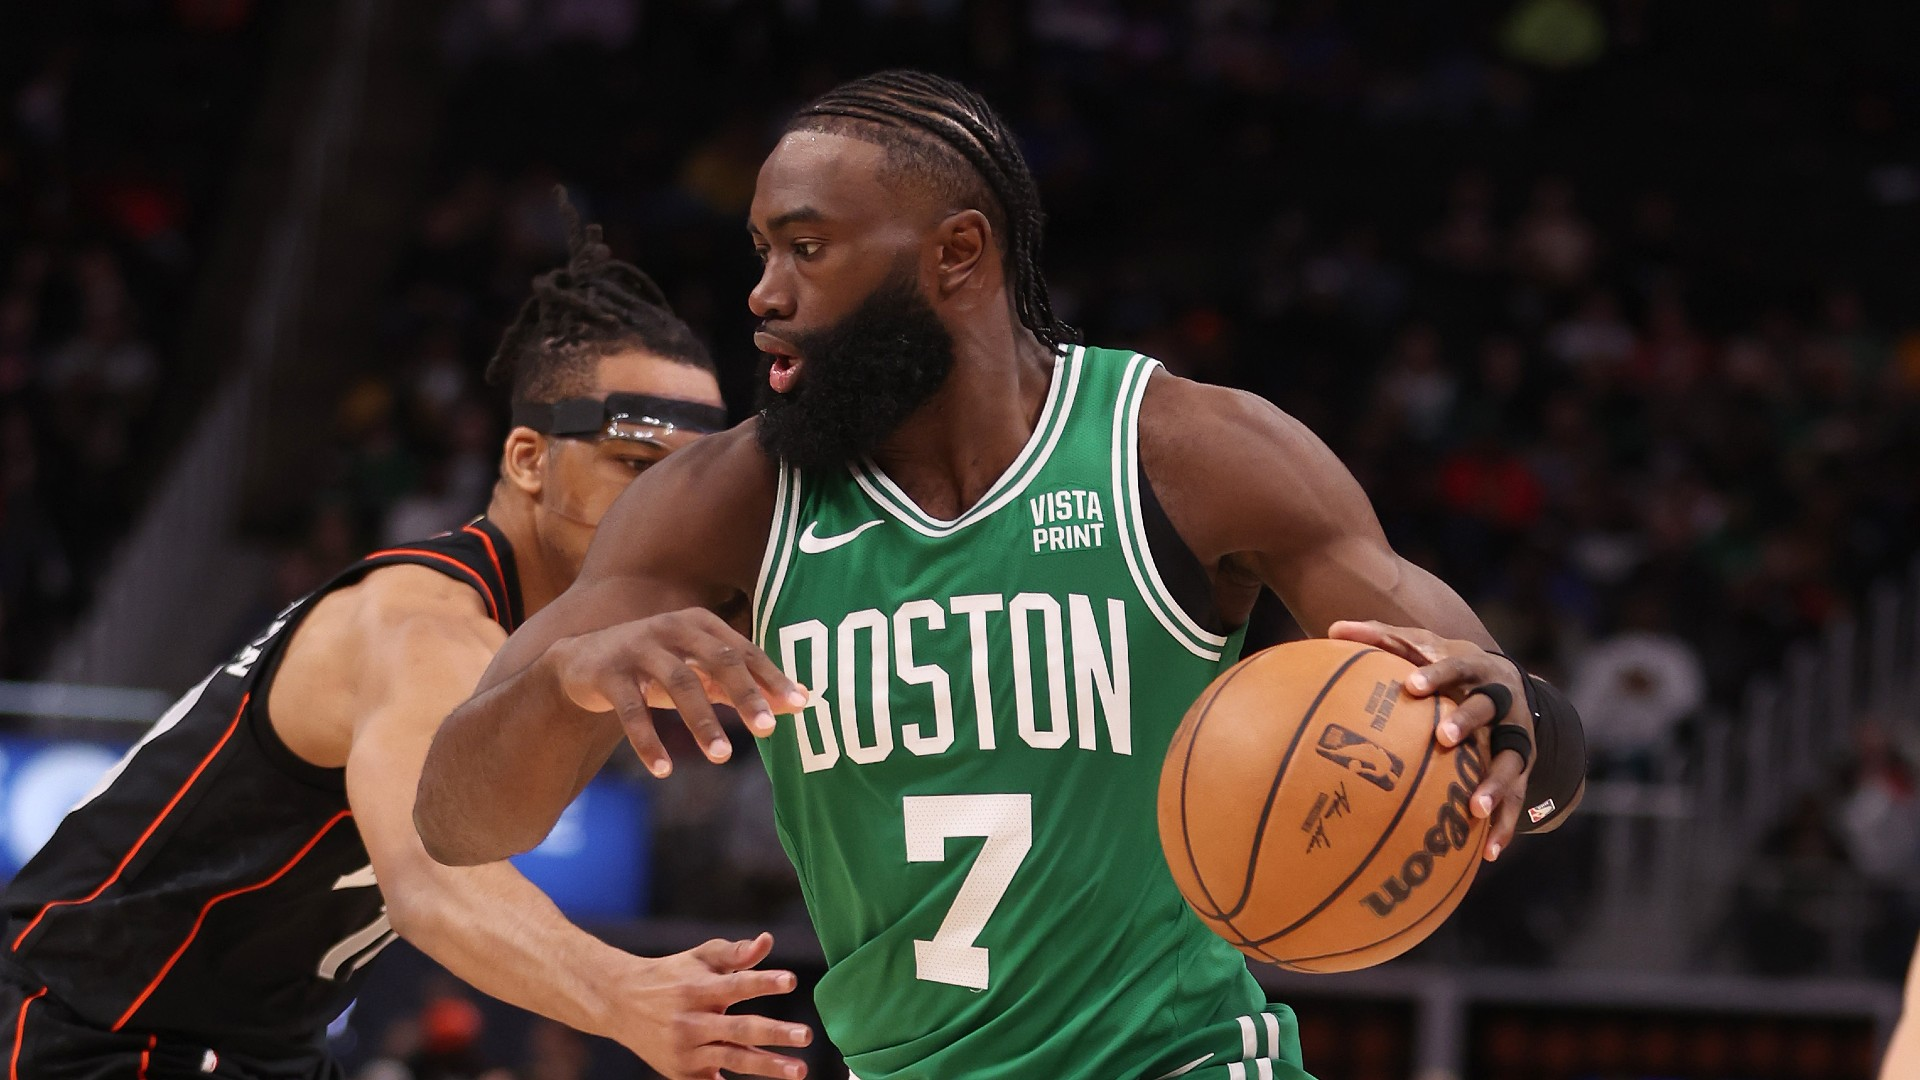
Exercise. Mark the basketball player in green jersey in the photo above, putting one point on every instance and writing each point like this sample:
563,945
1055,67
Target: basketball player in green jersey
991,569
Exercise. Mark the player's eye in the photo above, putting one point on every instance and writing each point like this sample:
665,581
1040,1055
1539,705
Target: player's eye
806,249
760,252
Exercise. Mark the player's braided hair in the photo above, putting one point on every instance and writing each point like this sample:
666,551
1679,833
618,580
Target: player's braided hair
593,306
949,135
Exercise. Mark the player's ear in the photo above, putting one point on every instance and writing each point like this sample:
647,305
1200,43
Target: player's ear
963,246
523,460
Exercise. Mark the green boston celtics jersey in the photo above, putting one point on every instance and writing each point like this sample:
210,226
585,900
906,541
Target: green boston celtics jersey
969,797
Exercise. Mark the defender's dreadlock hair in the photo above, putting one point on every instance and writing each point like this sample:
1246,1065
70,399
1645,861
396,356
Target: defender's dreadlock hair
948,135
593,306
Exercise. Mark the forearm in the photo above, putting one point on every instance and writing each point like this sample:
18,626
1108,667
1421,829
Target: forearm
504,765
495,930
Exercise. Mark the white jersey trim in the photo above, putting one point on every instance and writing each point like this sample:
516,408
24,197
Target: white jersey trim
1133,534
1032,458
773,565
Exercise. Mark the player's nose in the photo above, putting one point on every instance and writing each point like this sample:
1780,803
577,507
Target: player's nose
771,298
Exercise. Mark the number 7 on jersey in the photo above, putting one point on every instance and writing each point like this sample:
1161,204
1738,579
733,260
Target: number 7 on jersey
1006,821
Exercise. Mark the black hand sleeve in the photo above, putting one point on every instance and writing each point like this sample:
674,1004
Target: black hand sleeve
1560,762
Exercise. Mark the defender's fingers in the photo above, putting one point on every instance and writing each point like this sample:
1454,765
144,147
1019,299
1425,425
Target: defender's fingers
754,1031
1464,719
731,989
721,955
747,1061
689,694
727,956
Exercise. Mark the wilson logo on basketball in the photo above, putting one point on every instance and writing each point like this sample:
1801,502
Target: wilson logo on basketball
1361,756
1451,827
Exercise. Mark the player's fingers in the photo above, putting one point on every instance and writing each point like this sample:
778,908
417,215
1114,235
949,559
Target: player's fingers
1500,790
1463,719
689,693
636,720
1505,821
724,665
1447,674
748,1061
1409,643
782,693
785,694
754,1031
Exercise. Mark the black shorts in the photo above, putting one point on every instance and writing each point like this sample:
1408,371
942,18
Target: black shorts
41,1039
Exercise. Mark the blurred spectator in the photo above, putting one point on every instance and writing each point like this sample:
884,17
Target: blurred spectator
1880,812
1635,688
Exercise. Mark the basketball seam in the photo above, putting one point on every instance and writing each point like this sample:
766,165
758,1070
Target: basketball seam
1186,763
1385,835
1280,773
1465,880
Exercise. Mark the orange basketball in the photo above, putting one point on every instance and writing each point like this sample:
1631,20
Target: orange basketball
1308,814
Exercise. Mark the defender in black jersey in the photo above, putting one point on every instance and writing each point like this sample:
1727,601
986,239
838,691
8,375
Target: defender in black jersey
220,895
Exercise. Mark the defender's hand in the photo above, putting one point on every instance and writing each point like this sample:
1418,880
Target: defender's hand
672,1012
684,660
1452,668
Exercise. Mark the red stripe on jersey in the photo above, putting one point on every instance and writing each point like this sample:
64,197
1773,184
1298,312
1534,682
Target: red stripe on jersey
147,1055
493,610
151,826
20,1033
497,570
228,895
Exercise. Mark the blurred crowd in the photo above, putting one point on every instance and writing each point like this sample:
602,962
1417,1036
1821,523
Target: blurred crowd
1606,302
119,125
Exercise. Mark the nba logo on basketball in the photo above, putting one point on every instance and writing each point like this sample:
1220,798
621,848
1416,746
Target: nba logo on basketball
1362,756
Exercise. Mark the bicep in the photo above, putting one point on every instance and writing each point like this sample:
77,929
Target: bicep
1298,520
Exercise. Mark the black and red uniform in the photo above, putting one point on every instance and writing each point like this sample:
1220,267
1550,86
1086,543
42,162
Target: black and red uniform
209,907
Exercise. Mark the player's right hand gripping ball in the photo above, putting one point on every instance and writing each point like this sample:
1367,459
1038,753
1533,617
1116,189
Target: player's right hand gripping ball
1308,814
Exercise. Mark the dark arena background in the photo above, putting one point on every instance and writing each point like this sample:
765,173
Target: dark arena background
1612,305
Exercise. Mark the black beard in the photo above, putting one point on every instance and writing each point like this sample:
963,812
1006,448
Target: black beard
860,380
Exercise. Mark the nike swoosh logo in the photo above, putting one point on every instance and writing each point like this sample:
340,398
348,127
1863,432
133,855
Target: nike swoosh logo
813,544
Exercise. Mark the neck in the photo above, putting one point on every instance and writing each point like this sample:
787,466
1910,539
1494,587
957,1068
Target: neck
951,450
541,580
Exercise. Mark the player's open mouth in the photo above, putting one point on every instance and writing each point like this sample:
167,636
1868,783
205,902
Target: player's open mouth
786,361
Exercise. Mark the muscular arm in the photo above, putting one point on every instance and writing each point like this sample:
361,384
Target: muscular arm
417,642
1291,517
1287,514
556,700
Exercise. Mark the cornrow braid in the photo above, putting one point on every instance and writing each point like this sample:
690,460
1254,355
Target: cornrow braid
931,109
593,306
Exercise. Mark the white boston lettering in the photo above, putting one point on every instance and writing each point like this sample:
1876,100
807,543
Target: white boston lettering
913,736
875,624
912,657
1093,673
1052,656
976,606
821,754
